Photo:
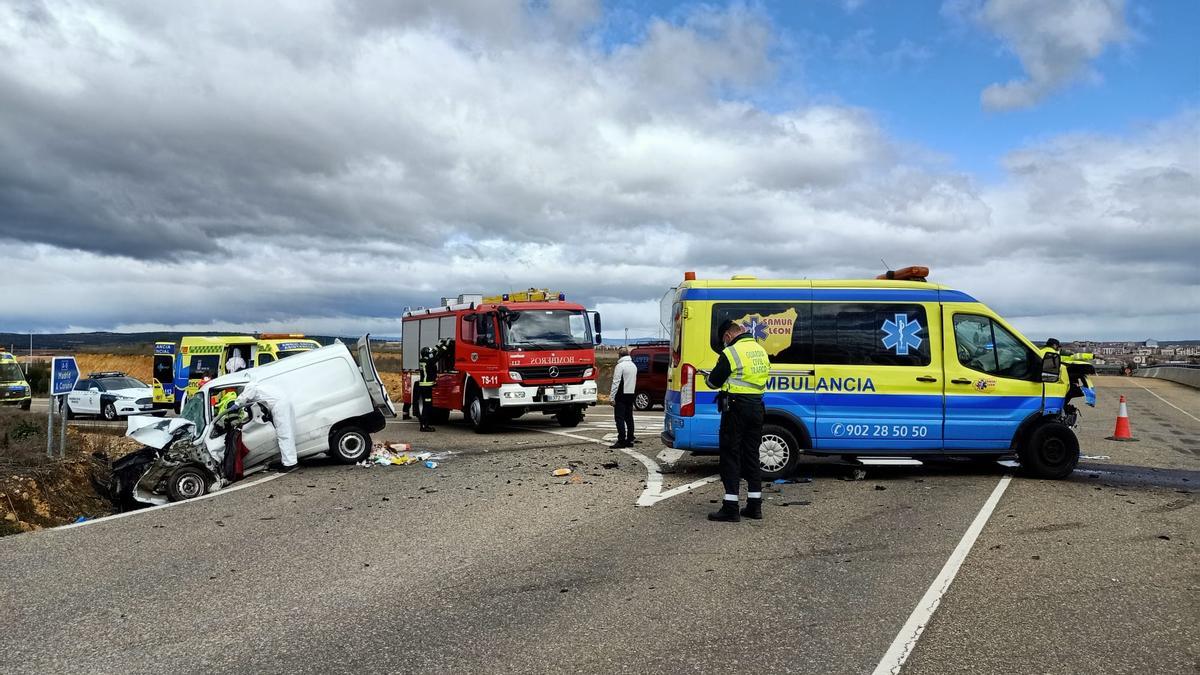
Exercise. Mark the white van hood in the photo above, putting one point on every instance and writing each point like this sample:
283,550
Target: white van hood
155,432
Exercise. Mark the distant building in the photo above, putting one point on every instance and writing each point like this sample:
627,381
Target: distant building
1151,344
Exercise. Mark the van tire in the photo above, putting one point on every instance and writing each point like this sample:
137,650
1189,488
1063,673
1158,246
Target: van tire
349,445
1051,452
477,413
187,482
641,401
778,453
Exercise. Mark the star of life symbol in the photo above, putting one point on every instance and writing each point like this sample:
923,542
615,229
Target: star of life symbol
756,327
901,335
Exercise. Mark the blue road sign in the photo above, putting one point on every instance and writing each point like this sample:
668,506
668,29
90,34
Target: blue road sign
66,374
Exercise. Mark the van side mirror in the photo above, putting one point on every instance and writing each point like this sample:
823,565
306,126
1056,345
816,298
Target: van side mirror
596,326
1051,366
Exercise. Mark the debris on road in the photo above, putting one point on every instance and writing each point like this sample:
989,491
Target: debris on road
786,481
400,454
561,472
857,474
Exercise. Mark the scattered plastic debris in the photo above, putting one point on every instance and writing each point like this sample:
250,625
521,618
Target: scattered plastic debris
82,519
562,472
399,454
857,474
786,481
1094,457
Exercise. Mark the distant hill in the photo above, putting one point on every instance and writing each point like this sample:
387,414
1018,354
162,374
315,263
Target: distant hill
117,343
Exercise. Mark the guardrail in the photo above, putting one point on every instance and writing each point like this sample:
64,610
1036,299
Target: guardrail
1188,376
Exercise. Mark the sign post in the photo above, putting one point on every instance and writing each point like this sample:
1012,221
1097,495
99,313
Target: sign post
64,373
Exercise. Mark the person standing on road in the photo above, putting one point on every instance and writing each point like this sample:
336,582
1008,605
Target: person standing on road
741,374
283,418
235,362
624,384
423,394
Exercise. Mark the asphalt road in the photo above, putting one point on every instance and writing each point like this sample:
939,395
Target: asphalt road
490,564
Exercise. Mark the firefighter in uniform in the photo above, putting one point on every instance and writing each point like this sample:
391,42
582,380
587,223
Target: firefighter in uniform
741,374
424,388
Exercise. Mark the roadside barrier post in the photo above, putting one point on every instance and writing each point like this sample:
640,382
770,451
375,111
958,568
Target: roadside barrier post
50,429
62,439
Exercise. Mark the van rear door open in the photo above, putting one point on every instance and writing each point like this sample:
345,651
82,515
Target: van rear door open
366,364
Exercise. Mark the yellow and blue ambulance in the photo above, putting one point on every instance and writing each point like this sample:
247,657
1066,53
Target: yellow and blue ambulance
14,390
180,370
885,371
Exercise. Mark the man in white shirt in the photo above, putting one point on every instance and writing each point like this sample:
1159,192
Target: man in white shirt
624,384
235,363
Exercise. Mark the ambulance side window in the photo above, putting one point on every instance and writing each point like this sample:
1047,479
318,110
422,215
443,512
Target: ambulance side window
264,359
784,329
983,345
870,334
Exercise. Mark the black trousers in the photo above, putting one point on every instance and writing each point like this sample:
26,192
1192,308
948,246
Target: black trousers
623,411
740,436
424,394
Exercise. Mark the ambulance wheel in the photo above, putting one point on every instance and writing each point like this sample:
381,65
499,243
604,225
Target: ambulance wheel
26,403
188,482
110,411
641,401
570,417
1052,451
349,445
477,413
779,452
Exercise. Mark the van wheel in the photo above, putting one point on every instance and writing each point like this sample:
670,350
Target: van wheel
1052,451
188,482
70,413
110,411
779,452
641,401
570,417
349,445
477,413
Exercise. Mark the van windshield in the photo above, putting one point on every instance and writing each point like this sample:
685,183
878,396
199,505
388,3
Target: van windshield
11,372
546,329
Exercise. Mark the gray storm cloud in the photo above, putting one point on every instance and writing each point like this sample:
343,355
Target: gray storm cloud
252,164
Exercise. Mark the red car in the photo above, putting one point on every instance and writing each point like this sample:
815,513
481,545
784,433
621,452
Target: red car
652,358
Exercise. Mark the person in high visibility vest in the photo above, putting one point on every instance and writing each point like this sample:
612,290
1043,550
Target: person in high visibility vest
424,388
741,375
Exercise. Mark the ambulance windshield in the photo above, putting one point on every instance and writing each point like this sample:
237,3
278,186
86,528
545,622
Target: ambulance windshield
547,329
11,372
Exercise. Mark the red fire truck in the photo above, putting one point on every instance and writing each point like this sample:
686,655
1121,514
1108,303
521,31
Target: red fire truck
505,355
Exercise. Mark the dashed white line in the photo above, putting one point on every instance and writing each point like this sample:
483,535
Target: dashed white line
906,640
1169,403
218,493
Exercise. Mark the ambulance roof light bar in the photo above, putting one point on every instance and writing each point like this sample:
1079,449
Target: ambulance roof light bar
280,336
916,273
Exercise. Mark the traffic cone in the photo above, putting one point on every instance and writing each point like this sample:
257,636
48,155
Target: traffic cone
1122,432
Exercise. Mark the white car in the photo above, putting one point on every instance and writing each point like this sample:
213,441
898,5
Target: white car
111,396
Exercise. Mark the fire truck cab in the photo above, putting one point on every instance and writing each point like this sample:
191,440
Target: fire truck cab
505,355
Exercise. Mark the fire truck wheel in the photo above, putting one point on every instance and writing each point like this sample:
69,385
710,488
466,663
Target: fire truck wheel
571,417
477,413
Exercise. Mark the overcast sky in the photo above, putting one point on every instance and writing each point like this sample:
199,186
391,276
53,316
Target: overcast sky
321,165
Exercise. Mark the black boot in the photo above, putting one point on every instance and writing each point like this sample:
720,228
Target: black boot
727,514
753,509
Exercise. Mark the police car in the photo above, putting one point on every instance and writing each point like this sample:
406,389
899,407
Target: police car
110,395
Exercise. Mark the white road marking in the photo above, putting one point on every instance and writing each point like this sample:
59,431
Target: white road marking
906,640
669,455
653,492
218,493
1170,404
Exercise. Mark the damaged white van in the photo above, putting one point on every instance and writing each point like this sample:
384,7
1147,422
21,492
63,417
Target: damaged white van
338,400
